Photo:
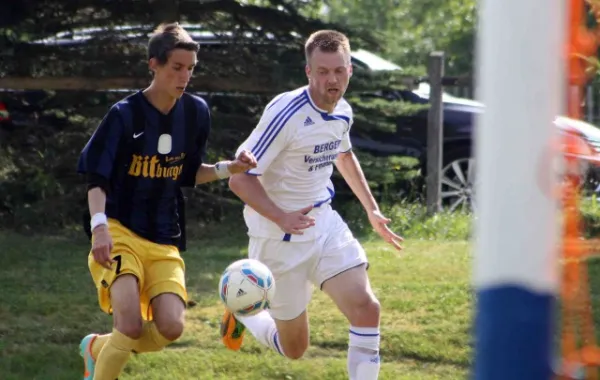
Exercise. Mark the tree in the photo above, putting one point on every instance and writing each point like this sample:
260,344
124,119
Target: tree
408,30
39,183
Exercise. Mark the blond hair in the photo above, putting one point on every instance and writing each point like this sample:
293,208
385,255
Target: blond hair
329,41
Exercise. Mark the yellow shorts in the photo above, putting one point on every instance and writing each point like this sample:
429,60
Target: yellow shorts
158,268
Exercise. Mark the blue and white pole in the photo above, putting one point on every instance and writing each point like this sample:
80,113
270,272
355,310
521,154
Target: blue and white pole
521,77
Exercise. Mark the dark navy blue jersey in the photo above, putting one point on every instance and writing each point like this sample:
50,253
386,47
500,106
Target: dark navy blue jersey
141,157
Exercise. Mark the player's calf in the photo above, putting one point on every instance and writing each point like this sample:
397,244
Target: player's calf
289,338
351,292
293,336
127,328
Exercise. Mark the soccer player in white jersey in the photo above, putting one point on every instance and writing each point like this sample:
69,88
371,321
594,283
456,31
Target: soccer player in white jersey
291,224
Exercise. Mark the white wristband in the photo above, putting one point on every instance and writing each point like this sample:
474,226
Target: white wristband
222,170
98,219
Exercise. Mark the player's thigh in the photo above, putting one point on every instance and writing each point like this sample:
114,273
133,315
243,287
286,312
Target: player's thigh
293,292
342,274
351,292
164,272
283,256
291,265
169,311
291,270
340,252
125,300
126,262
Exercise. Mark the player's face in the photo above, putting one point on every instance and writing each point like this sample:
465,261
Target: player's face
174,76
328,75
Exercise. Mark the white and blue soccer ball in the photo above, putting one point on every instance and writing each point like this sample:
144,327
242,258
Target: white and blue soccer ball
247,287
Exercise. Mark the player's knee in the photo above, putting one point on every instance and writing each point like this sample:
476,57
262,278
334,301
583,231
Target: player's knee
171,329
131,327
295,351
366,311
294,345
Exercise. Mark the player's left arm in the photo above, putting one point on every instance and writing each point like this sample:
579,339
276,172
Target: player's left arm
224,169
348,165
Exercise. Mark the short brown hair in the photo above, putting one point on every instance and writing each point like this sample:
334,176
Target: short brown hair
168,37
328,41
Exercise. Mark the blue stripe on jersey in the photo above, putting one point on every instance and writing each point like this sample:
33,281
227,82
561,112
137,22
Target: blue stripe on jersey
288,237
274,132
282,124
271,128
331,195
325,115
337,117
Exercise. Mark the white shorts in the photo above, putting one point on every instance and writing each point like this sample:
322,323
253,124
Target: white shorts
297,266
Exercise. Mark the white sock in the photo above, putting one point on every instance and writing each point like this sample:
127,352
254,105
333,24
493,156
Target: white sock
363,353
263,327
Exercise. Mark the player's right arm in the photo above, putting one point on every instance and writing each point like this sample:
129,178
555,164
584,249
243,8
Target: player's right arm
248,188
97,161
266,142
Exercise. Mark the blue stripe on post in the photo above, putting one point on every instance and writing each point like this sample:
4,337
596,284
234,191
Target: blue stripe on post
513,334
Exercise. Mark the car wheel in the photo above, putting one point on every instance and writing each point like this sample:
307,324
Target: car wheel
458,179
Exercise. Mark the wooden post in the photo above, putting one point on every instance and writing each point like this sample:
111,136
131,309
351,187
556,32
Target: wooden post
435,132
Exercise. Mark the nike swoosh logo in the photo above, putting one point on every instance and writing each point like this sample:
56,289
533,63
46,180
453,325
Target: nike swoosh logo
136,135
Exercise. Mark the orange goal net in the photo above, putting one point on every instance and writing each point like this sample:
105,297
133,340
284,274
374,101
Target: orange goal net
578,344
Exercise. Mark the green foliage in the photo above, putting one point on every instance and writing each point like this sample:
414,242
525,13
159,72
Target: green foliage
590,214
39,188
408,30
411,221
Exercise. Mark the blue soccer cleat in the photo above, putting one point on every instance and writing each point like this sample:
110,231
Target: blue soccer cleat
85,350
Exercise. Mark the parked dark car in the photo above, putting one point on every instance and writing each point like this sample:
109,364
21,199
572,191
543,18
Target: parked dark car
458,161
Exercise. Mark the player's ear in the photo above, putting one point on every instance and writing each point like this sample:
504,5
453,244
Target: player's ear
153,64
307,70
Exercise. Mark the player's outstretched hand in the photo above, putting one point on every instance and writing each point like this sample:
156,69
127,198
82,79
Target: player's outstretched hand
294,222
102,246
379,223
243,162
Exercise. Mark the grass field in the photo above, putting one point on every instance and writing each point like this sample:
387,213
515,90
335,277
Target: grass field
48,304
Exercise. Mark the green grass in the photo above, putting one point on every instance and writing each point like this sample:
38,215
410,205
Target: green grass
48,304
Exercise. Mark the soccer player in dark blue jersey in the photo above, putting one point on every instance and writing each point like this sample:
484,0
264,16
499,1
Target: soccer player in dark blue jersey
146,148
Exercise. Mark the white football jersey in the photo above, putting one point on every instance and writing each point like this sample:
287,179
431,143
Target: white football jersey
296,145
